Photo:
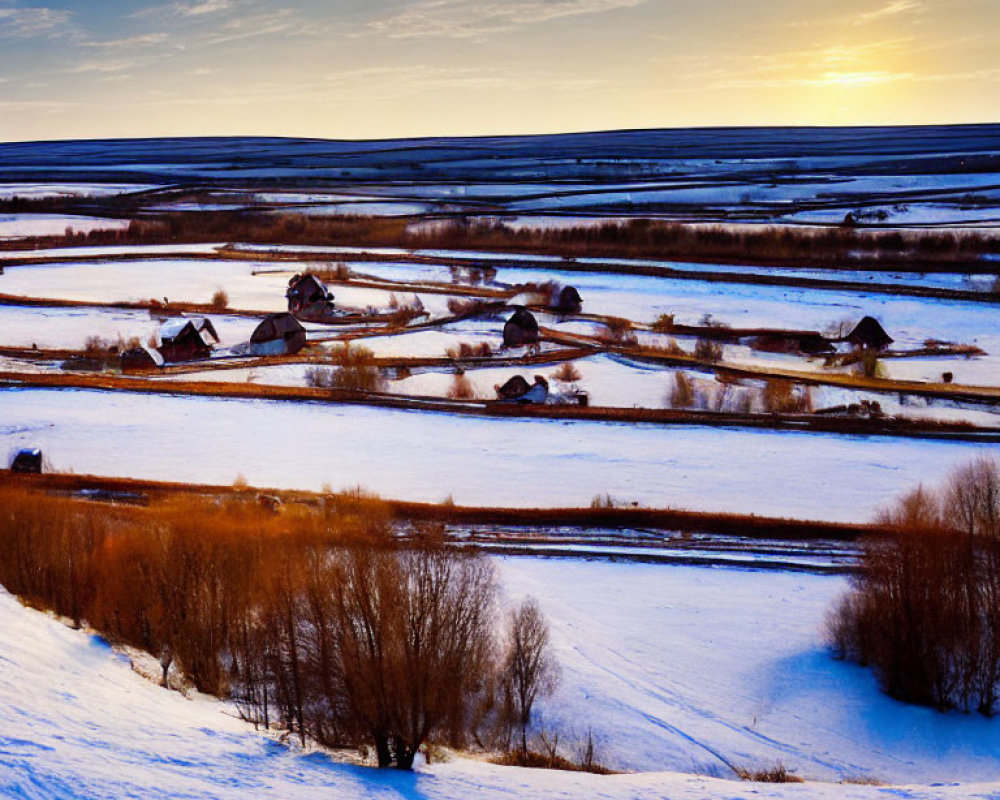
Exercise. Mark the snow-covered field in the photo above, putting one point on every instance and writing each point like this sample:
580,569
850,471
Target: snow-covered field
189,281
69,328
20,226
491,462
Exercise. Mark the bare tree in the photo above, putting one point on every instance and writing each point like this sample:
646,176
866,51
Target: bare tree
529,669
925,608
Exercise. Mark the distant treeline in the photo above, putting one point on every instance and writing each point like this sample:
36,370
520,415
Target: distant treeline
830,247
314,619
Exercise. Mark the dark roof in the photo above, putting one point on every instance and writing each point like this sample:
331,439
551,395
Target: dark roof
524,319
276,326
144,355
513,388
301,283
869,333
569,299
177,327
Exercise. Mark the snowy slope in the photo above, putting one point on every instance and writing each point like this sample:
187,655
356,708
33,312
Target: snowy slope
77,723
693,668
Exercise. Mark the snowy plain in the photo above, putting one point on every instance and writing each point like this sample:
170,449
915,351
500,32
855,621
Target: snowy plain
476,461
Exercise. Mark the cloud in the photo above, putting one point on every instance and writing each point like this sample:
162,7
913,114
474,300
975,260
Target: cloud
829,78
195,8
199,9
132,41
475,18
892,9
109,65
26,23
283,22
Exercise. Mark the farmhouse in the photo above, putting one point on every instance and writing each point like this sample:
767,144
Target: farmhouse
308,297
568,301
278,334
518,390
869,335
27,460
140,359
187,338
520,329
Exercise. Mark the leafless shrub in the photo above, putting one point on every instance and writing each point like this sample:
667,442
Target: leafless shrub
708,350
664,323
340,273
781,396
682,392
924,611
668,348
466,306
463,351
619,329
774,774
567,373
220,299
461,387
355,370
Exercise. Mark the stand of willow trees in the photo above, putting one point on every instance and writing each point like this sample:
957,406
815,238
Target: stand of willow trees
317,622
924,610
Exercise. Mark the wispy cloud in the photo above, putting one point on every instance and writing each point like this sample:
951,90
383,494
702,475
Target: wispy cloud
283,22
29,22
142,40
199,9
892,9
193,8
475,18
828,78
110,65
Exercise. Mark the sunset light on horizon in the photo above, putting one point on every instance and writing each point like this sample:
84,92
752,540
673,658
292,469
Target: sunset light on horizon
356,69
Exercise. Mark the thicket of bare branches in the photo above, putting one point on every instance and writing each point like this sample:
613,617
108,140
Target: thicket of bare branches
314,619
529,669
924,612
355,370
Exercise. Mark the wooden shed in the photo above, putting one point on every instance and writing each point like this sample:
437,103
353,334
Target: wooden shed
140,359
27,460
278,334
567,301
518,390
308,297
869,335
187,338
520,329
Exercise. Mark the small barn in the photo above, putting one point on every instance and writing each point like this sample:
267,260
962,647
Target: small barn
806,342
869,335
187,338
518,390
140,359
520,329
308,297
27,460
278,334
567,301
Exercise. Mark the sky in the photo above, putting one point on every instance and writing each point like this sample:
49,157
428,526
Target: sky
396,68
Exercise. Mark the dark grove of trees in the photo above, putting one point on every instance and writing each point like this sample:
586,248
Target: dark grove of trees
314,620
924,611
